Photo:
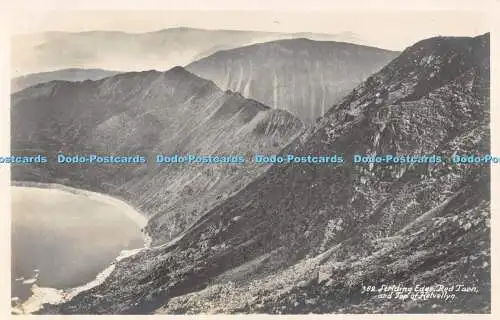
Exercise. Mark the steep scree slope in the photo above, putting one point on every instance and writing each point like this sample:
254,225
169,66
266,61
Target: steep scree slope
302,76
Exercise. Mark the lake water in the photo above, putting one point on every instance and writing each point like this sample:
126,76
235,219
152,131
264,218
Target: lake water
63,240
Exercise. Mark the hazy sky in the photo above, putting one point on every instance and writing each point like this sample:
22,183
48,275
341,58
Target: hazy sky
379,26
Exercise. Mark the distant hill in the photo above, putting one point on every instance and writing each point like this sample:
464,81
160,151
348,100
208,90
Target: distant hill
113,50
73,75
302,76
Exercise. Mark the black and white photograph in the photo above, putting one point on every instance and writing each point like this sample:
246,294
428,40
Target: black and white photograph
271,162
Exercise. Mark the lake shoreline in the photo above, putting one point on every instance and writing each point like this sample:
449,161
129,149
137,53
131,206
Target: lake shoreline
132,213
43,295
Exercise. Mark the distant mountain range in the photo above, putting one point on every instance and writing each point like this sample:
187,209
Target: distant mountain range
147,113
73,75
302,76
307,238
305,77
161,50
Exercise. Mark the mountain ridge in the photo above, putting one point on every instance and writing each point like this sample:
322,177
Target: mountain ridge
268,250
147,113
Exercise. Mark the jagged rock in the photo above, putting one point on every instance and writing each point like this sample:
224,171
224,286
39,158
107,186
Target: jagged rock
323,276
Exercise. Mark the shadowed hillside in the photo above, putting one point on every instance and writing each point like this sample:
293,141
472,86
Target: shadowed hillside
147,113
